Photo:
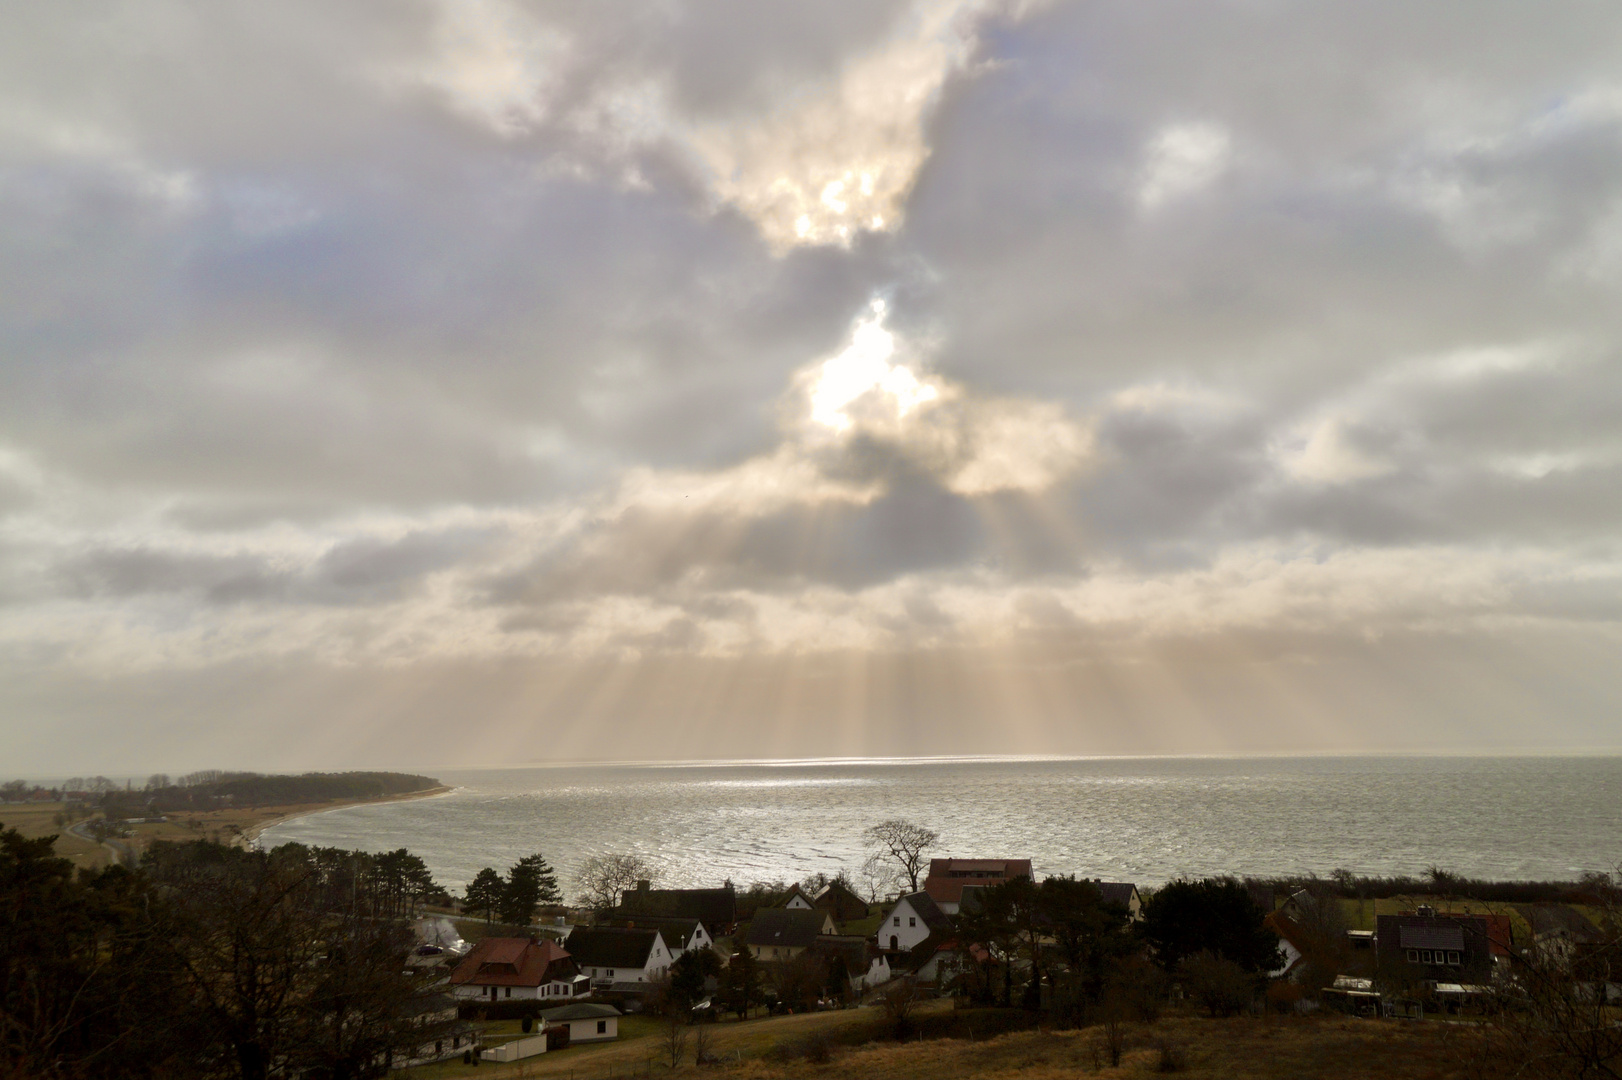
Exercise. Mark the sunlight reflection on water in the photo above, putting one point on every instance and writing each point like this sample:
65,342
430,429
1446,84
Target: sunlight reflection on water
1145,820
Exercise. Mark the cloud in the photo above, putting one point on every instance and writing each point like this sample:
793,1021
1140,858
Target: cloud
1182,159
885,359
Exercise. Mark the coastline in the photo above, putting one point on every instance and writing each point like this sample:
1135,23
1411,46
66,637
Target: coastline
281,814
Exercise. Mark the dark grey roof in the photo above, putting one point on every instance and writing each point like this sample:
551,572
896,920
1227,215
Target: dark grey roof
1118,893
855,950
1431,937
601,946
794,927
928,910
715,908
583,1010
678,933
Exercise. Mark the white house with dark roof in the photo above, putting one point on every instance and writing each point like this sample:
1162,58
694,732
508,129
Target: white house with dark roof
680,935
616,958
913,918
784,933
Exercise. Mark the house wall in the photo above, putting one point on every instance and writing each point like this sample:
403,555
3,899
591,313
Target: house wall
517,1049
659,959
585,1031
904,926
476,991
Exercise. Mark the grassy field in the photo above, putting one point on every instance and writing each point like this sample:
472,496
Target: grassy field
639,1047
776,1048
34,820
1201,1049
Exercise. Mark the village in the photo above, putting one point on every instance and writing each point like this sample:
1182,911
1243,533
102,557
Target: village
914,946
984,932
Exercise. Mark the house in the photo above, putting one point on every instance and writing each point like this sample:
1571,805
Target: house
717,909
797,899
437,1014
937,960
784,933
517,968
1439,948
587,1022
1122,894
913,918
1291,943
947,877
865,966
838,900
680,935
619,959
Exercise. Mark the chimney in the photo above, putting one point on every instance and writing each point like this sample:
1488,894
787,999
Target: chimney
643,886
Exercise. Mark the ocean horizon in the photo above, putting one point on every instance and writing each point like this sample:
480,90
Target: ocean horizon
1143,819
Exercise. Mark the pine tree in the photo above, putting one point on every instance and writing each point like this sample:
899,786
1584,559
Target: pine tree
485,894
530,883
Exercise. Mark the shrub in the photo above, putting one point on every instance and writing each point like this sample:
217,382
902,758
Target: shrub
1171,1059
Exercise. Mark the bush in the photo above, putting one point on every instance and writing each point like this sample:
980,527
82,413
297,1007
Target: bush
1218,983
1171,1059
527,1025
500,1010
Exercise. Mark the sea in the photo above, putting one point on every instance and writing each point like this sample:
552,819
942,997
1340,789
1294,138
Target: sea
1144,820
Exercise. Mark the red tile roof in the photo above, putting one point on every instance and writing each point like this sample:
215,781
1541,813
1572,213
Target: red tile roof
513,962
947,877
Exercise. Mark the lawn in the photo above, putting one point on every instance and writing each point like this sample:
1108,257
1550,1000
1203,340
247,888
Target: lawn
782,1048
640,1046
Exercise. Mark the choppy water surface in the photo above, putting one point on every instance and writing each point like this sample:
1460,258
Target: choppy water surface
1144,820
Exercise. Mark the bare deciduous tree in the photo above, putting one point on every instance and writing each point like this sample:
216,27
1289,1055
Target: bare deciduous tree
899,844
602,878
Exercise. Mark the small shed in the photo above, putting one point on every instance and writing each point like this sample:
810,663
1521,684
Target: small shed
587,1022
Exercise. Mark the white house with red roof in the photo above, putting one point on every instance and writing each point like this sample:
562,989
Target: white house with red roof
499,969
948,877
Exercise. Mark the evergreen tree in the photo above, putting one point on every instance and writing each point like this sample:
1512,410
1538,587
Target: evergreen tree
530,883
484,894
741,983
1187,917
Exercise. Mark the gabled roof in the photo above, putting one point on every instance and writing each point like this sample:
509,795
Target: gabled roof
927,910
513,962
715,908
793,927
844,903
1117,893
856,951
677,933
605,946
947,877
583,1010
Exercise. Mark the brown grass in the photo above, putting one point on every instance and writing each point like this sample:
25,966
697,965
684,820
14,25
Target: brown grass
1269,1048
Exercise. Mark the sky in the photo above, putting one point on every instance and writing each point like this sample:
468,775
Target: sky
462,382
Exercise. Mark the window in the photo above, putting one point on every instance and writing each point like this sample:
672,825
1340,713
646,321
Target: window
602,1027
898,920
1452,958
509,991
912,921
1413,956
610,973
